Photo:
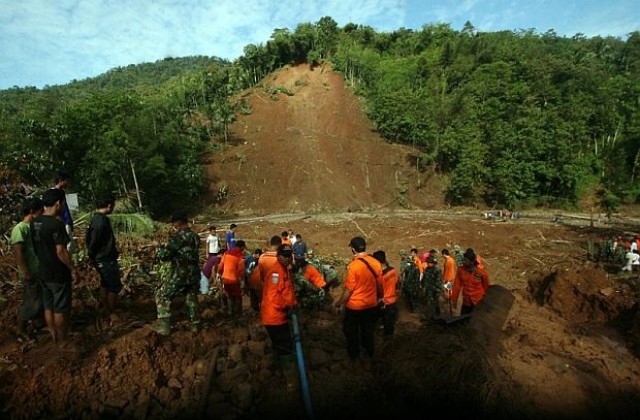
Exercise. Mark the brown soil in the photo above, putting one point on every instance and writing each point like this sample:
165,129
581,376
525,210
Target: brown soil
557,337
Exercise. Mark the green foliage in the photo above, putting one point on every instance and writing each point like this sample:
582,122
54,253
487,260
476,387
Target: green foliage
273,91
514,118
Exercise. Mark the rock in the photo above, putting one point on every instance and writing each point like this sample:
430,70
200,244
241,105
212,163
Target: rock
174,383
166,395
242,395
223,411
318,358
221,364
236,352
340,355
201,367
118,403
231,377
257,348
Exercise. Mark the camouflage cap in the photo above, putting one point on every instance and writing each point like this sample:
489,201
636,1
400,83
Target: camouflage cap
403,252
310,252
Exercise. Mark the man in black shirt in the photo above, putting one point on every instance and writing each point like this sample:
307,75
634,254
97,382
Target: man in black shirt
101,247
50,241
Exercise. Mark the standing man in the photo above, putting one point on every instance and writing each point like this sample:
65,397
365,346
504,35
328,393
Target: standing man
472,280
50,240
278,298
299,248
27,262
60,182
231,269
362,290
213,242
433,286
103,253
259,275
390,291
182,276
230,236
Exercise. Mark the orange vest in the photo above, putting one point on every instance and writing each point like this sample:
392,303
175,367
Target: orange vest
449,272
277,295
313,276
474,285
362,283
231,267
390,285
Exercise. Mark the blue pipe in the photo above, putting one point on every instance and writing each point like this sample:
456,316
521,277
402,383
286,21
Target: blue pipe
302,370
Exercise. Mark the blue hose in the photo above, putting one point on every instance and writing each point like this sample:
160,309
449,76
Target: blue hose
302,370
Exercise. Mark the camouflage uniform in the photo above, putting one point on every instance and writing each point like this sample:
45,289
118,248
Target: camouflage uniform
410,276
458,255
179,273
308,295
433,287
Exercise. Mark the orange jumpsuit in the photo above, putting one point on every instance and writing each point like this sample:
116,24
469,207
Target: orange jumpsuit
473,283
449,272
313,276
277,295
231,269
364,292
390,286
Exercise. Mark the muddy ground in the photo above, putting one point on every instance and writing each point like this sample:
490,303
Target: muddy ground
558,338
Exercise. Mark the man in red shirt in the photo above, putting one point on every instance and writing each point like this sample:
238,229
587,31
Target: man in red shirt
362,289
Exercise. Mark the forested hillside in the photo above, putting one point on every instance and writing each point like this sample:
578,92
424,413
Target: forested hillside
513,118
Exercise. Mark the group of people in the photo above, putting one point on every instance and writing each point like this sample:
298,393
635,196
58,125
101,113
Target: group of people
42,243
283,278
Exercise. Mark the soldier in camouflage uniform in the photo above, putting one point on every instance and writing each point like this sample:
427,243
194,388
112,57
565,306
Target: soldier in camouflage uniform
458,256
433,286
328,271
410,278
179,272
309,284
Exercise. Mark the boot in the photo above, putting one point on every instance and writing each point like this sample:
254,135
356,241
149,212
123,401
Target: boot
161,325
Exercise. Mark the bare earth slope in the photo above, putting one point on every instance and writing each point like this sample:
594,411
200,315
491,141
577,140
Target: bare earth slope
312,150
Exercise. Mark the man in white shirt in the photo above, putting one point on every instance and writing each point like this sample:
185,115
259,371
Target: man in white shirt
633,261
213,242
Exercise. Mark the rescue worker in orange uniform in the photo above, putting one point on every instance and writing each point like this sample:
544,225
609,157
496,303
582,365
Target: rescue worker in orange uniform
256,279
231,270
362,290
390,280
278,298
472,280
449,267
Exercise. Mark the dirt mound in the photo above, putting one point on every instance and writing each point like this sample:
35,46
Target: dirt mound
307,146
584,293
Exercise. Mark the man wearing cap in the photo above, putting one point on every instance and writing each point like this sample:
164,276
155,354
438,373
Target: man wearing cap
181,276
278,298
472,280
433,286
362,290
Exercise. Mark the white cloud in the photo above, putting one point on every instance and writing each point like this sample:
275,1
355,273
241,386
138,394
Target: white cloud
55,41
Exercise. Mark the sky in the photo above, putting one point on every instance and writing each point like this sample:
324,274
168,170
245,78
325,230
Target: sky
52,42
